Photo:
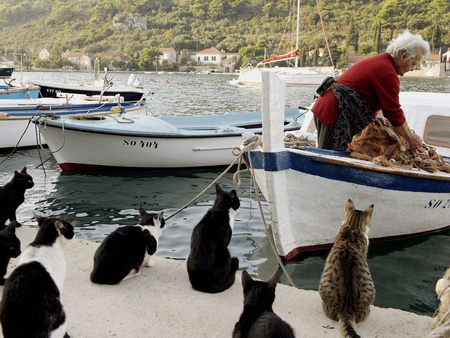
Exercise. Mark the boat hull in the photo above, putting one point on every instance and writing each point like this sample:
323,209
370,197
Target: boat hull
290,75
307,213
19,93
122,151
48,90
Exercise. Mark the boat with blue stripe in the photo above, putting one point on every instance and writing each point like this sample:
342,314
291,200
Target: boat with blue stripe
307,188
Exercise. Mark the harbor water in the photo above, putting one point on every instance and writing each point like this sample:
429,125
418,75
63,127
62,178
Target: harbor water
404,272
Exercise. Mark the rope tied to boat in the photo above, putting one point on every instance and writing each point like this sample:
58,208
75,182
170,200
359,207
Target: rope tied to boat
239,156
250,142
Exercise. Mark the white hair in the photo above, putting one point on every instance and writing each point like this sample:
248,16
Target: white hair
412,45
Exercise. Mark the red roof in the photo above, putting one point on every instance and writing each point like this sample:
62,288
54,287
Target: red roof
210,51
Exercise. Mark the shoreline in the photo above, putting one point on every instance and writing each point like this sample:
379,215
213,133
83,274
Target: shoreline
161,303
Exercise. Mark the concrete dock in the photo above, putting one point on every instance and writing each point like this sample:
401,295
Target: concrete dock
161,303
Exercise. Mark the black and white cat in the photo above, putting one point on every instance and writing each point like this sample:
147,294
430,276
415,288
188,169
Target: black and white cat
31,301
12,194
9,248
258,319
127,249
210,265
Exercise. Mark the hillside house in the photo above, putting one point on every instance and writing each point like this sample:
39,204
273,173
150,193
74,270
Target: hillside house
81,60
169,55
208,56
44,54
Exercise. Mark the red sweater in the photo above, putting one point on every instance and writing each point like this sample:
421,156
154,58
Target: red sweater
376,80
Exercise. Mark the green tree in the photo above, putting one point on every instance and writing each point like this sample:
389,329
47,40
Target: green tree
353,36
148,57
377,45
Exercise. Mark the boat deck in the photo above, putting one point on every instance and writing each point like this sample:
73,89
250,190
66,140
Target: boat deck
161,303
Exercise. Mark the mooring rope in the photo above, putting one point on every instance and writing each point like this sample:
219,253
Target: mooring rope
250,143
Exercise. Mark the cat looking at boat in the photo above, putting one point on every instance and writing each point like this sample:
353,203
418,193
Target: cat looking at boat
31,302
258,319
346,286
127,249
210,265
12,195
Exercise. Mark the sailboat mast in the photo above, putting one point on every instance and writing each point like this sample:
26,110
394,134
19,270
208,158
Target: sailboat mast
298,32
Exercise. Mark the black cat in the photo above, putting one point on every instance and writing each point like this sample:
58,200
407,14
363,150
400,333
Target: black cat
31,301
258,319
210,266
12,194
9,247
127,249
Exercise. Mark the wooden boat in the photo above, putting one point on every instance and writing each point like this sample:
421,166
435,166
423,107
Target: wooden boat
307,188
18,92
131,92
15,116
142,141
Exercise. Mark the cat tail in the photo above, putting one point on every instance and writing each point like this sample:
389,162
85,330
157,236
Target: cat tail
346,326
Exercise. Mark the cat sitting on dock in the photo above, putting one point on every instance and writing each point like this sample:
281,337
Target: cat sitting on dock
346,286
9,247
209,265
31,301
12,194
127,249
258,319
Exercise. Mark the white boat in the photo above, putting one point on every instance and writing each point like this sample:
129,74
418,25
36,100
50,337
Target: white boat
15,115
307,189
142,141
293,75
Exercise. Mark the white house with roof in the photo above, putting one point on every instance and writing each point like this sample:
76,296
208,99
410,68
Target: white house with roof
209,56
168,54
44,54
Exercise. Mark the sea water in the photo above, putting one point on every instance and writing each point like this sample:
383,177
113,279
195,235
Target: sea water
404,272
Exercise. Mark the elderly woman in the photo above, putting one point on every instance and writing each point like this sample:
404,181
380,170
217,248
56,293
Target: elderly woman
347,105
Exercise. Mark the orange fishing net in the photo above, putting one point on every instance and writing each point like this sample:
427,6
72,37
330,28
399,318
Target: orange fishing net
380,144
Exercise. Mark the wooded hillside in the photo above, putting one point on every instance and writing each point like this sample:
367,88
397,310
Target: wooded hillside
125,27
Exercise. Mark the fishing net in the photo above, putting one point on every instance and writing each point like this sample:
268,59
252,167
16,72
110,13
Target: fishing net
380,144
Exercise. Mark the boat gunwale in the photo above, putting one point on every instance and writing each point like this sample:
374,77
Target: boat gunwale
58,124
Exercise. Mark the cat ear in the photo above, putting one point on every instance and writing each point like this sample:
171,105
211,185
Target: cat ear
64,228
24,170
39,219
233,194
369,210
142,211
272,283
350,204
218,188
246,279
12,227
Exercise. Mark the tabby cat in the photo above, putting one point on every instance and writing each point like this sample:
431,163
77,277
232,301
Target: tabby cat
258,319
127,249
209,265
12,194
31,301
346,286
9,247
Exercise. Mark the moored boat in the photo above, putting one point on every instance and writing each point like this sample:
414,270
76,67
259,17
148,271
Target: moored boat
142,141
307,188
15,116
